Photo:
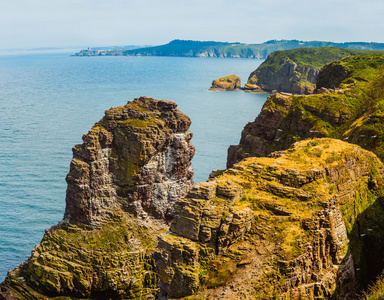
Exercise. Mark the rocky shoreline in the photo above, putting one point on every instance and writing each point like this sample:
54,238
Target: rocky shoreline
297,214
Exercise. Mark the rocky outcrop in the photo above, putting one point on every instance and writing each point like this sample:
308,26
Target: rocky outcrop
138,158
290,77
283,227
348,110
275,128
295,71
332,75
226,83
204,217
123,182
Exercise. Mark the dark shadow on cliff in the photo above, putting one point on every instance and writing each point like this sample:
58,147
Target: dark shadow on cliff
367,244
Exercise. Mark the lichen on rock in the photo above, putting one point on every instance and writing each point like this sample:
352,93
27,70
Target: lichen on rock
226,83
282,226
137,158
348,107
123,182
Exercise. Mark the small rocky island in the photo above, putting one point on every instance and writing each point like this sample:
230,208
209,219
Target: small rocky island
227,83
298,213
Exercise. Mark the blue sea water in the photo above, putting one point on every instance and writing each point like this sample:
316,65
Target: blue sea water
48,101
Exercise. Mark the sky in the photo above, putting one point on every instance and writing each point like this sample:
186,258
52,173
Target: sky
91,23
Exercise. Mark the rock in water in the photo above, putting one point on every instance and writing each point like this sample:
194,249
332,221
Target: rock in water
226,83
123,181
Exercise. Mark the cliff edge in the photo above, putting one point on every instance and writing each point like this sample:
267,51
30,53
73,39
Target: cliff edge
347,106
123,181
305,223
294,71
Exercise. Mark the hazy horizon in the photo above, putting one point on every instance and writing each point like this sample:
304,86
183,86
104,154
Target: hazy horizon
96,23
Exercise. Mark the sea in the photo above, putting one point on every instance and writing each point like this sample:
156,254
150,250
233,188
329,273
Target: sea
49,100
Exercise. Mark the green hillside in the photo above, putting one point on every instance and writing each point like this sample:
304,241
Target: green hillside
224,49
314,58
295,70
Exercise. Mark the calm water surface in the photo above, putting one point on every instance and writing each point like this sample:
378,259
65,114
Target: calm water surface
48,101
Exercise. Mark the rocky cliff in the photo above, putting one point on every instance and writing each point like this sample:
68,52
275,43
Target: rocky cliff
123,181
348,106
220,49
136,158
296,225
293,71
226,83
306,222
291,77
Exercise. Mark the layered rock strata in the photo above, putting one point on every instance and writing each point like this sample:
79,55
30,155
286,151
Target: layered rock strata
123,181
347,106
137,158
294,225
226,83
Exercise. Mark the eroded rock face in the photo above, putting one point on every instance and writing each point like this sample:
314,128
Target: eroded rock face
275,128
226,83
204,217
123,182
290,77
332,75
346,106
137,158
280,226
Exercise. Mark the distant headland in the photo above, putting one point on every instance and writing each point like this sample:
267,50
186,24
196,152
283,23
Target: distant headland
188,48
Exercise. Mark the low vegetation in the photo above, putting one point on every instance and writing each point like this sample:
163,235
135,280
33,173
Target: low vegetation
224,49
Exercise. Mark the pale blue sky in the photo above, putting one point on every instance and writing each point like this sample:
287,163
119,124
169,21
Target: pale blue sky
78,23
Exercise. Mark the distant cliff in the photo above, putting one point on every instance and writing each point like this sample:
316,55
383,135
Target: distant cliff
294,71
223,49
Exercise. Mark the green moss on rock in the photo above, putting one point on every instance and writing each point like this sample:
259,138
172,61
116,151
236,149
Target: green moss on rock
295,70
112,261
349,111
307,206
226,83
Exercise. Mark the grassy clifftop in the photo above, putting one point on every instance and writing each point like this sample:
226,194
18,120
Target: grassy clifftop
350,107
292,226
314,58
295,70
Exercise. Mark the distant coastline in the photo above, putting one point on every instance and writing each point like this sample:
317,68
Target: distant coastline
188,48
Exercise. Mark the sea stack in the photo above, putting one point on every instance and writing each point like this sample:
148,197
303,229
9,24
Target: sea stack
123,181
226,83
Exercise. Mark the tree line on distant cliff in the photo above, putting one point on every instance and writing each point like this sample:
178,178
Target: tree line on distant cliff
223,49
298,213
